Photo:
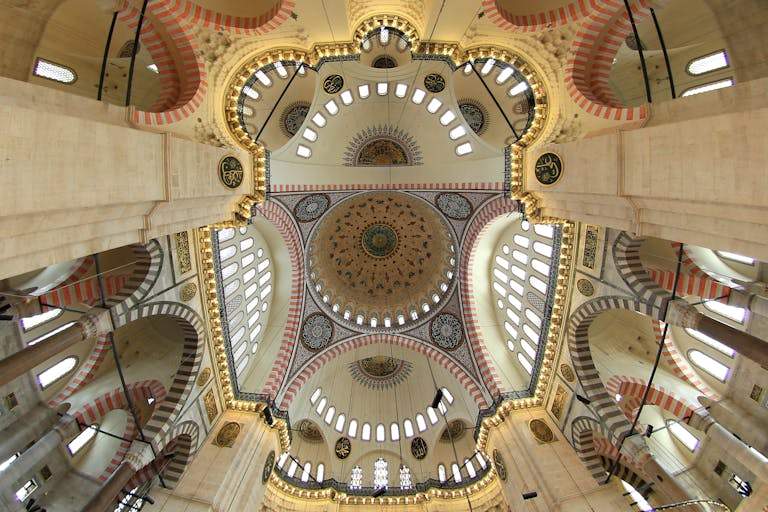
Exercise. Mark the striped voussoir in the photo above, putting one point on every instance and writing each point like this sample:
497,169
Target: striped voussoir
80,268
283,221
467,186
693,268
581,355
464,379
568,13
699,285
93,412
167,411
679,364
597,41
583,430
86,372
183,441
480,222
625,473
87,290
190,16
626,257
661,397
149,263
182,72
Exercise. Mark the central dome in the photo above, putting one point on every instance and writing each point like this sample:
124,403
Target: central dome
381,260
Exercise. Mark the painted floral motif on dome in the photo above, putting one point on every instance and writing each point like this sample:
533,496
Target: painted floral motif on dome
316,332
379,240
311,207
454,205
363,277
309,431
434,82
293,117
380,372
382,145
446,331
474,114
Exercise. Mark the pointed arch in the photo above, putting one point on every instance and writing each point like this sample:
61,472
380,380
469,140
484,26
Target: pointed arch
192,354
348,345
479,224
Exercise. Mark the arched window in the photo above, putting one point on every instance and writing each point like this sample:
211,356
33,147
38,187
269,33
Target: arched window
533,335
518,272
712,342
511,330
480,459
253,318
545,230
524,363
292,468
306,472
520,256
366,434
540,266
405,478
408,428
241,365
537,283
746,260
262,77
320,474
229,270
380,433
516,287
239,351
441,472
329,415
470,468
251,290
315,396
514,301
533,317
456,472
281,460
528,348
31,322
352,430
707,63
421,422
715,368
522,241
56,72
236,337
235,321
230,288
77,444
50,334
356,478
380,474
227,252
246,244
340,423
247,260
513,317
711,86
502,262
57,371
683,435
432,415
734,313
321,405
252,305
394,432
262,266
448,396
543,249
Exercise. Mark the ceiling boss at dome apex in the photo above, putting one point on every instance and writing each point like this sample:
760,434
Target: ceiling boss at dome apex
381,260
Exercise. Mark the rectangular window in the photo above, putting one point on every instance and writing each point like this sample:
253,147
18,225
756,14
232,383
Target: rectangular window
26,490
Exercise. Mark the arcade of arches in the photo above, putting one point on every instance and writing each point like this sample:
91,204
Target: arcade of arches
299,255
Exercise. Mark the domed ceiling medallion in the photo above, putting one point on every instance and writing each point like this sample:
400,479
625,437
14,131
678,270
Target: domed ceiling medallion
446,331
316,332
380,372
454,205
311,207
381,261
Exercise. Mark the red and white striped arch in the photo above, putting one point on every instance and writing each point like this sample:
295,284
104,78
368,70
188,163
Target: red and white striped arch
480,222
567,13
283,221
463,378
679,364
593,49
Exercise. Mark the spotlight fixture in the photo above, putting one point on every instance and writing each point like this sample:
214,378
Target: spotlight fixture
530,495
584,400
268,416
648,430
379,492
438,397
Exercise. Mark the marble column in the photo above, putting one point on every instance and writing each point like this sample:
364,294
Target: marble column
139,455
734,419
682,314
26,359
